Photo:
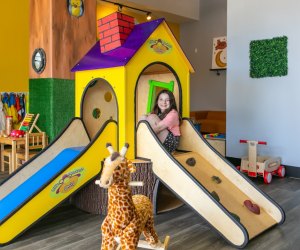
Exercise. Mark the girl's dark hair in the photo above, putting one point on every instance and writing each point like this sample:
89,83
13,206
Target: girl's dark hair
156,110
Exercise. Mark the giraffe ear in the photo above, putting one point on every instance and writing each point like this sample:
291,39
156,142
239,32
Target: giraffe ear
131,167
110,148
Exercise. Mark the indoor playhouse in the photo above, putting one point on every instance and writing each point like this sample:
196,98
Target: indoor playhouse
115,84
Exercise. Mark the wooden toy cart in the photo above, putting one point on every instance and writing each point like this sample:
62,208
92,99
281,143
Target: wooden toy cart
265,166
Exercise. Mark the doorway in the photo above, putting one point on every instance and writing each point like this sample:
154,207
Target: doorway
98,105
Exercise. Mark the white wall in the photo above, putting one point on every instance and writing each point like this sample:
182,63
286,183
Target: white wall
208,91
266,109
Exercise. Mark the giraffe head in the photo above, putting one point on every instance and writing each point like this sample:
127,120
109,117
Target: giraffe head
116,167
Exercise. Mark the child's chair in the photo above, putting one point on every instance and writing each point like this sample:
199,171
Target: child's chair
28,124
6,160
34,142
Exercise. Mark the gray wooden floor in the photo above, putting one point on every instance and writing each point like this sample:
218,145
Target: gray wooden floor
69,228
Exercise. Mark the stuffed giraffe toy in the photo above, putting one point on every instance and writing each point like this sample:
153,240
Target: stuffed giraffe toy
127,216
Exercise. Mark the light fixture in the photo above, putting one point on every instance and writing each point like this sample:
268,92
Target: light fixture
120,7
149,16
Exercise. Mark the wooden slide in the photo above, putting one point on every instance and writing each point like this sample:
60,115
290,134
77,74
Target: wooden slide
208,183
46,180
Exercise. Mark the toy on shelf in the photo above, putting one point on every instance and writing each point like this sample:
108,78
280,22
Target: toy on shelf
214,136
17,133
29,123
127,216
264,166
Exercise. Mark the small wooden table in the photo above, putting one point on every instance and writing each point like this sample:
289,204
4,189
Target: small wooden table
14,142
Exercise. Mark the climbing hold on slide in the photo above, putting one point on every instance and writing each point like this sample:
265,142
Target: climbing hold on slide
191,161
216,179
236,217
215,195
254,208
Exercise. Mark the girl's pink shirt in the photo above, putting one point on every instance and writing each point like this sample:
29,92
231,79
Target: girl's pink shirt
172,122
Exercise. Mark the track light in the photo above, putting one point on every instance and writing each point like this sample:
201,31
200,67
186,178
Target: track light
120,6
149,16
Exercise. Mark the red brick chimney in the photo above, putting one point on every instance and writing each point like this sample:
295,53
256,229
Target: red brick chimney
114,30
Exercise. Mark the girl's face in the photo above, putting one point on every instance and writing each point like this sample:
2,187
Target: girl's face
163,102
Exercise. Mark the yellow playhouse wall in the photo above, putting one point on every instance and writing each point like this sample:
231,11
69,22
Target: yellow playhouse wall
144,57
14,46
116,78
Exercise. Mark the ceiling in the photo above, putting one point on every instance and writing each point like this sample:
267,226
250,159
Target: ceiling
162,12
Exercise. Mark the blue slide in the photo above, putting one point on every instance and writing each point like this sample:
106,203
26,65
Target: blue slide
28,188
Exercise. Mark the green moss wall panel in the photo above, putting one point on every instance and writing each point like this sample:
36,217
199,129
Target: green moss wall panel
54,100
269,57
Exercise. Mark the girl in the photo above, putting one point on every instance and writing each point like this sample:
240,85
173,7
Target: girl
164,120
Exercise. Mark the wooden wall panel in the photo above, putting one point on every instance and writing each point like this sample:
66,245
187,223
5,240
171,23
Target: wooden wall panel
40,35
65,38
72,37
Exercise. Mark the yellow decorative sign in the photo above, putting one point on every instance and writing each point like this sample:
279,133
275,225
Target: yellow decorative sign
160,46
67,182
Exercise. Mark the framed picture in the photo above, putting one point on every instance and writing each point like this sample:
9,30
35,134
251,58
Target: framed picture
219,56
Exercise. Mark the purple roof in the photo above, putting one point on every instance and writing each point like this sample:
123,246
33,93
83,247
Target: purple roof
120,56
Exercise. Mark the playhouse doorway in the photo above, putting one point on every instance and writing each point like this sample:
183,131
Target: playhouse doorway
152,80
98,105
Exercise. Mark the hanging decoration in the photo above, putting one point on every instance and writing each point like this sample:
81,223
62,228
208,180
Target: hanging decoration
13,105
219,59
75,7
269,57
160,46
